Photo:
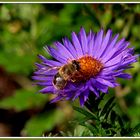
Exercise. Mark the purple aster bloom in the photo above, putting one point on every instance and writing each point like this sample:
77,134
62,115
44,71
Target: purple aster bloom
90,62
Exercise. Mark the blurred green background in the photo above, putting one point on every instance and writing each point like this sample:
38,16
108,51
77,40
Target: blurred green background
24,30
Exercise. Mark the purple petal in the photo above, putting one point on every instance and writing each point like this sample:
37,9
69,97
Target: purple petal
46,83
98,42
41,78
128,61
47,72
83,41
77,45
124,75
113,62
109,47
131,50
49,62
123,55
53,52
69,95
119,51
70,47
94,90
114,66
39,66
77,94
105,82
62,50
47,89
81,98
99,86
86,93
91,45
58,98
117,47
89,36
105,72
105,42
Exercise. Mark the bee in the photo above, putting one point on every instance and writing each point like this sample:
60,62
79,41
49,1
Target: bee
67,72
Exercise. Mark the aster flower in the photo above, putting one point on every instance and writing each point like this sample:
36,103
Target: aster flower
95,61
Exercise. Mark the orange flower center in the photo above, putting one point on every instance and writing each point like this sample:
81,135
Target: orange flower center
89,67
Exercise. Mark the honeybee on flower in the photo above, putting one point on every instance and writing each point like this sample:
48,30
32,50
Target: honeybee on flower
90,62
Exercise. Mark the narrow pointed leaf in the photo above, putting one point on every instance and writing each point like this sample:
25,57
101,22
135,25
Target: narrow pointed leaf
85,112
109,110
103,112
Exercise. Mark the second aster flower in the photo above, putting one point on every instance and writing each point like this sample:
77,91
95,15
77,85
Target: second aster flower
90,62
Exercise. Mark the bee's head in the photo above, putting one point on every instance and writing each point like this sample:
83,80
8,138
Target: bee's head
76,64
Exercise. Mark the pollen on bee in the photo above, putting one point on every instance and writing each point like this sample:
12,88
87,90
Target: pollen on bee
89,66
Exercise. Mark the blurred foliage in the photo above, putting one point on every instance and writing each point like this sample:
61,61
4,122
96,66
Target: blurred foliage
44,122
22,100
105,121
25,29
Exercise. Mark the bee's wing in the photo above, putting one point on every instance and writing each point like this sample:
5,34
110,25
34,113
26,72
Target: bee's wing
53,68
46,70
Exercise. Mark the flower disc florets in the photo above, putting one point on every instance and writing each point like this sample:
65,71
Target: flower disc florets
89,63
89,67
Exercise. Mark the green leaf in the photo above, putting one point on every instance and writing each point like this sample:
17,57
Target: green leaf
137,8
120,121
106,107
109,110
92,128
41,123
22,100
92,14
113,116
85,112
83,120
136,130
80,131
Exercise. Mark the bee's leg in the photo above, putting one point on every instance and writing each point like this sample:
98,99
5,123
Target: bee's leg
73,80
